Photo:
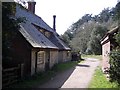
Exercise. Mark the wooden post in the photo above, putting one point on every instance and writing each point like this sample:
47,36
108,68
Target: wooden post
21,69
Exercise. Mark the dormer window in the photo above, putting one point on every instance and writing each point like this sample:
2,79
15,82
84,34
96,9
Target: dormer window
42,31
39,29
47,34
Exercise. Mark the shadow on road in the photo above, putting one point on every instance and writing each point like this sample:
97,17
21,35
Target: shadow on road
81,65
58,80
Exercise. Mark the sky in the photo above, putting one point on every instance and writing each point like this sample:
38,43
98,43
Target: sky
69,11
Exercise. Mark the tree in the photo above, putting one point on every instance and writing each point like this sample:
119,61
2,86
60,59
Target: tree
10,26
67,36
82,36
105,15
117,12
85,34
94,45
115,53
115,61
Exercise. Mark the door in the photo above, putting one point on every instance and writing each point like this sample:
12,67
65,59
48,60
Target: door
47,63
40,61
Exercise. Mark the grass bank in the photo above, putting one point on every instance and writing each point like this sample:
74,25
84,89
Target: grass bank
99,80
44,76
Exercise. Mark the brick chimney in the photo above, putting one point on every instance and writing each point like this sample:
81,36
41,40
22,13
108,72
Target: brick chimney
31,6
54,23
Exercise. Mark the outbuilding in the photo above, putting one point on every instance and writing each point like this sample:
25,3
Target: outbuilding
108,43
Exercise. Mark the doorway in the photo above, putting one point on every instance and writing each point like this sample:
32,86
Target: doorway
47,63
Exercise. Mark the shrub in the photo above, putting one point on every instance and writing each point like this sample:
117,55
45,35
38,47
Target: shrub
115,66
115,61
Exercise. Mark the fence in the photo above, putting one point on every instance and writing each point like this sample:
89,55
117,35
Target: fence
11,75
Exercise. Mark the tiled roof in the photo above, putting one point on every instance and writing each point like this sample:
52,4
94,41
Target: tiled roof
58,42
34,37
22,12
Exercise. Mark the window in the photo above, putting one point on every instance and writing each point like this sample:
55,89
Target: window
42,31
68,53
40,57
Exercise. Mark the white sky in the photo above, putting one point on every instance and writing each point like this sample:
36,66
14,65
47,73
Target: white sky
69,11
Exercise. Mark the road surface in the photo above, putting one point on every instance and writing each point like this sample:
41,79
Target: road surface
76,77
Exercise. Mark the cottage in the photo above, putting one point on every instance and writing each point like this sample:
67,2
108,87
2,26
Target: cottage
36,48
108,43
38,45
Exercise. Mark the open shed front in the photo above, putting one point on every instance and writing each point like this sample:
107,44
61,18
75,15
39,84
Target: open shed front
105,55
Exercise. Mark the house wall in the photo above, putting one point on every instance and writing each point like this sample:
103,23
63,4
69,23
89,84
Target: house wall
60,56
53,57
22,54
47,59
44,60
33,61
105,55
69,56
66,56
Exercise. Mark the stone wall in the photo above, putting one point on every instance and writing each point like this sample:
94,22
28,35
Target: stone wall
66,56
43,56
33,61
53,58
60,56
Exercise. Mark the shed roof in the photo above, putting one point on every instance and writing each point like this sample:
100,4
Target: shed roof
109,35
112,31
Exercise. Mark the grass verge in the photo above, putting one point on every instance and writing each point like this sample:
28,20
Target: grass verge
64,66
92,56
99,80
43,77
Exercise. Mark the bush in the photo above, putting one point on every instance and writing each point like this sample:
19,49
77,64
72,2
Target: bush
115,61
115,66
